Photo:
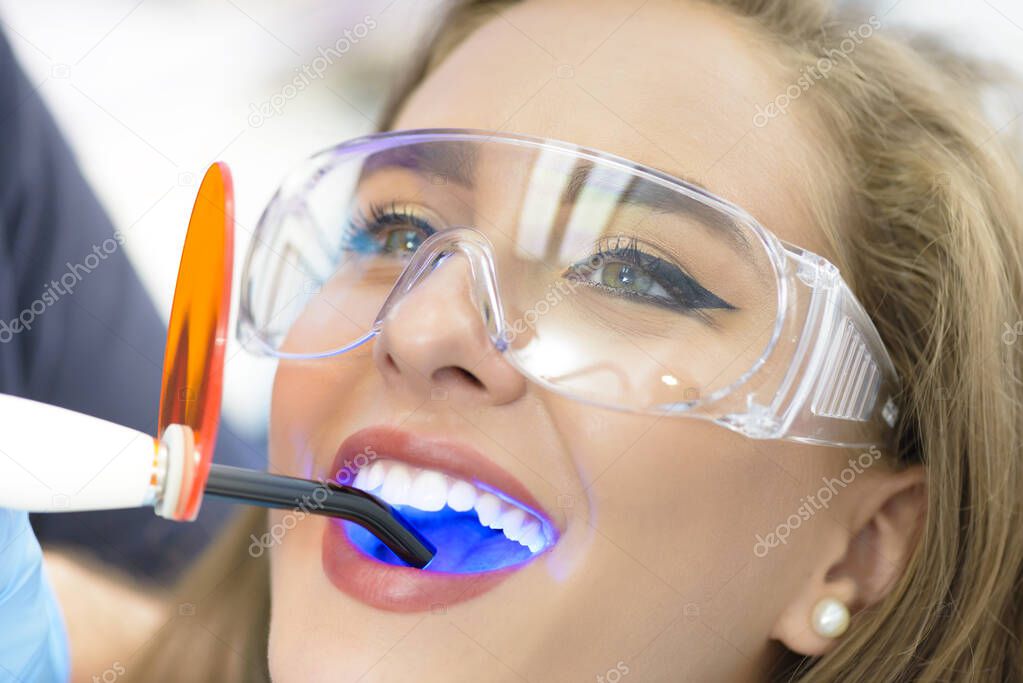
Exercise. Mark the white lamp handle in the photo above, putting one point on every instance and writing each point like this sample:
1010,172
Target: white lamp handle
57,460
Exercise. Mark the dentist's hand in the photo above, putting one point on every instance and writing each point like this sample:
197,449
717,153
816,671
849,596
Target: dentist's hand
33,643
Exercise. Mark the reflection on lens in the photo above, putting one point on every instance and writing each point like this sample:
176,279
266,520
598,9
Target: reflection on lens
609,278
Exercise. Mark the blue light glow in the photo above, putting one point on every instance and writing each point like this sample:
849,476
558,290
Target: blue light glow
464,546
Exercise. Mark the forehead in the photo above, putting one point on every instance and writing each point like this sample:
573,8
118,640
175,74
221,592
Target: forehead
672,85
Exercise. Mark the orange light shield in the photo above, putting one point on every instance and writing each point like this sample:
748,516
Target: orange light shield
193,363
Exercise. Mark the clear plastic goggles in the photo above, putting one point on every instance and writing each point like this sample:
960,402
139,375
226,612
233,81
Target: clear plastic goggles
597,278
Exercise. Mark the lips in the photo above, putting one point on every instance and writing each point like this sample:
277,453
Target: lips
372,455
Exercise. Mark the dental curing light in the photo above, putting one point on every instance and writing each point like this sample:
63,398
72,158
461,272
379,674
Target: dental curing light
57,460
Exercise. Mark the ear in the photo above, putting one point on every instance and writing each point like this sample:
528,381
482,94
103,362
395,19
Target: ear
858,564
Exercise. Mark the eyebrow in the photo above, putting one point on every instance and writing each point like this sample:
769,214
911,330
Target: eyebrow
452,161
664,200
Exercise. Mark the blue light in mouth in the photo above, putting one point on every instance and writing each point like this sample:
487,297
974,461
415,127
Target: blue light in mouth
464,546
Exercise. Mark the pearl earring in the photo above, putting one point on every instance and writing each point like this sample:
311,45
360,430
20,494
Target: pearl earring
830,618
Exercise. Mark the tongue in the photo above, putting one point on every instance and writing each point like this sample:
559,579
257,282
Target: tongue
463,545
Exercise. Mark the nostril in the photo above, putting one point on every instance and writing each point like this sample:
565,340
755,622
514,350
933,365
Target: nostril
389,362
456,375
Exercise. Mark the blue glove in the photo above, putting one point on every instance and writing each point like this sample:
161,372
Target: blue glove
33,643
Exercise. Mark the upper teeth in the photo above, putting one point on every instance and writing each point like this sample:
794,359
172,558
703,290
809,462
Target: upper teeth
400,484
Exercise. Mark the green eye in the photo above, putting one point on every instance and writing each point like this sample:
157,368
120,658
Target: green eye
403,240
619,268
627,277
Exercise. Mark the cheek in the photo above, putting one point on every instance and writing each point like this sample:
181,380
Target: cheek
312,402
668,494
299,393
664,487
682,501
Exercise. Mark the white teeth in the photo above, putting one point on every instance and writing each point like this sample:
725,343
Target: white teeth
488,508
429,491
375,475
396,485
360,479
511,523
462,496
532,535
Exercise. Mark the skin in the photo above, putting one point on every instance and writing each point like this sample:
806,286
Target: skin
656,570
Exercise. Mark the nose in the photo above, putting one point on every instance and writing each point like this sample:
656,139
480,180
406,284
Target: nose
434,341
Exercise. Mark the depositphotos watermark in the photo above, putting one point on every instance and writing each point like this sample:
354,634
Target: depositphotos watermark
811,505
346,473
307,74
110,674
308,503
616,673
1012,333
556,293
819,70
64,286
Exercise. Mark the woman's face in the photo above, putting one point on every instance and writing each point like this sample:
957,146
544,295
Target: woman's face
656,572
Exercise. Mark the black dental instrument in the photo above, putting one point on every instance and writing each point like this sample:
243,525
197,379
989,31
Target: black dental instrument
323,498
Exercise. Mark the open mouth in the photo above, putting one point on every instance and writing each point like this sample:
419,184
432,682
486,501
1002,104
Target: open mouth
485,524
475,527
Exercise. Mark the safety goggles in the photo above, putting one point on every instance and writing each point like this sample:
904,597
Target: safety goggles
598,278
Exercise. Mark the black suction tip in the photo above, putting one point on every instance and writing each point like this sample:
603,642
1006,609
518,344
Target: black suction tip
276,491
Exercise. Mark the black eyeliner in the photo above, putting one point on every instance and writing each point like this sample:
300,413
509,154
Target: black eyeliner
694,296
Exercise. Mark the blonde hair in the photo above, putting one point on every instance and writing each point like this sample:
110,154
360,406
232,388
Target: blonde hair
925,222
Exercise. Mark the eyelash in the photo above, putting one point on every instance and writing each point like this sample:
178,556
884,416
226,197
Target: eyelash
363,231
688,295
